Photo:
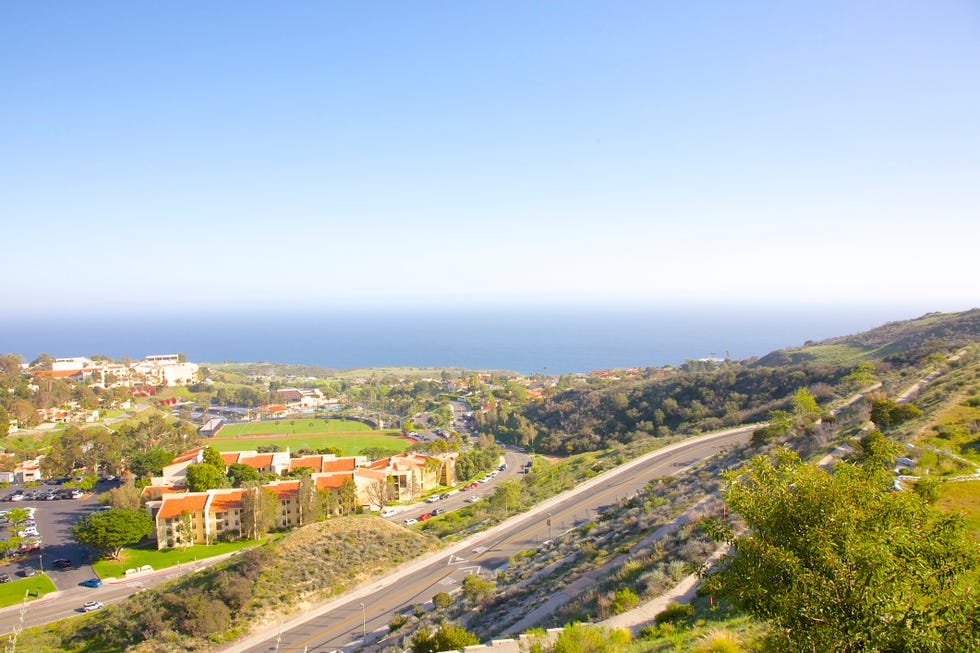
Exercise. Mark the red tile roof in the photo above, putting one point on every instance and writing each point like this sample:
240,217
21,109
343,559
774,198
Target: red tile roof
348,464
284,489
313,462
258,462
332,482
230,457
190,455
225,501
174,505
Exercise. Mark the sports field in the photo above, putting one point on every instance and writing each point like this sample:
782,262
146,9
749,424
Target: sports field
347,435
291,426
350,443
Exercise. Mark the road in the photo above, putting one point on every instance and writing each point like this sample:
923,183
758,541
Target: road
343,622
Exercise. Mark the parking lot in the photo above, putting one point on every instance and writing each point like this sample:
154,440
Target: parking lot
53,519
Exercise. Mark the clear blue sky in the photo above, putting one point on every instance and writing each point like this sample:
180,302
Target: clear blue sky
235,153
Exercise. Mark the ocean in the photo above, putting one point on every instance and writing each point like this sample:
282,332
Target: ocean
523,340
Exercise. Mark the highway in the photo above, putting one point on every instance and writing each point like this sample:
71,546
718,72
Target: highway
344,622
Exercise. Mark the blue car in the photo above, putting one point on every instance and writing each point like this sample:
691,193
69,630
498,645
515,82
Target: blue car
92,582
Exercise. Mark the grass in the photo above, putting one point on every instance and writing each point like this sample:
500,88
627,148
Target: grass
962,497
290,426
13,592
350,443
145,555
711,628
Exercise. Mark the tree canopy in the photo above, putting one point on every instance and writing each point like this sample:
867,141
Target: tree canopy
204,477
109,531
838,562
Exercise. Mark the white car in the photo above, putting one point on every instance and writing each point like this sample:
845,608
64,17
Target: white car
388,512
473,499
92,606
410,521
28,532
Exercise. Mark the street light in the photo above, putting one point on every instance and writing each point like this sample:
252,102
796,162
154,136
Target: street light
363,624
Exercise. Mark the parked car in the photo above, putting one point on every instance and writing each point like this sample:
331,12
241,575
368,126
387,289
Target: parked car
27,573
388,512
473,499
444,496
62,563
4,578
410,521
432,499
425,517
438,511
92,605
92,582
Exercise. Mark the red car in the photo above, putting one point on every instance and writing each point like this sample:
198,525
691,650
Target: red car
472,486
425,516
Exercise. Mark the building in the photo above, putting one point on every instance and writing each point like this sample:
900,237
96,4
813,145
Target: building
184,518
166,369
28,471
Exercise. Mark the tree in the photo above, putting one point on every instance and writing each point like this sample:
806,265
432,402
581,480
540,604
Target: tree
348,496
442,600
805,406
477,590
837,562
211,456
449,637
149,463
258,512
109,531
4,422
239,473
125,496
886,413
201,478
380,492
308,502
184,529
16,517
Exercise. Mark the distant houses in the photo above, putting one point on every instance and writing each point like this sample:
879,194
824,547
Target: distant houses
162,369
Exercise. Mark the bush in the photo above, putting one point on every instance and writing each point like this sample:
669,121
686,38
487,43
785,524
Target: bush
442,600
719,641
624,600
674,612
397,621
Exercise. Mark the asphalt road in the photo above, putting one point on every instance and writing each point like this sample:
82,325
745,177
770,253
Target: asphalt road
342,623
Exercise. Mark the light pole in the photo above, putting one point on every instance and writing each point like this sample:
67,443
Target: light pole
363,624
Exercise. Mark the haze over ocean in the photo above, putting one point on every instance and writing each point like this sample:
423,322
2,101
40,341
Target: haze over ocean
529,341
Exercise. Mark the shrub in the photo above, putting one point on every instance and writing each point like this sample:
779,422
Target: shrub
397,621
674,612
719,641
442,600
624,600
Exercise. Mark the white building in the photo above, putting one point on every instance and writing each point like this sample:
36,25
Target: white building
166,369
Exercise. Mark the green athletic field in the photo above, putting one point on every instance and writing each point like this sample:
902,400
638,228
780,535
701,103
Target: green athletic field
292,426
350,443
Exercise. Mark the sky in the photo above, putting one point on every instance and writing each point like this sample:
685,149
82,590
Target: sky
239,154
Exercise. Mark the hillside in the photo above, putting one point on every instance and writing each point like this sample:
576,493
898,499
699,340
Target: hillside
246,592
705,396
904,341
